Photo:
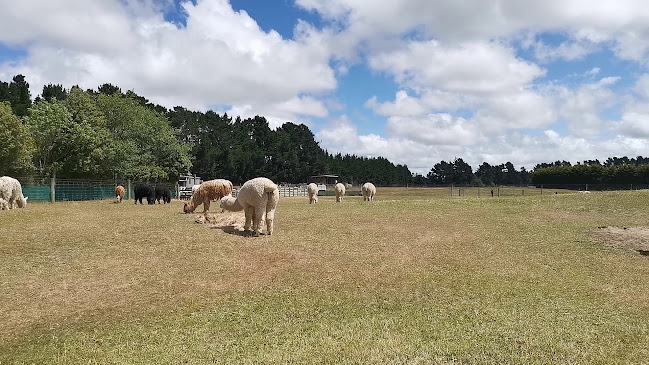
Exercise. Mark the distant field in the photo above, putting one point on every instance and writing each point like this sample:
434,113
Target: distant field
468,192
416,276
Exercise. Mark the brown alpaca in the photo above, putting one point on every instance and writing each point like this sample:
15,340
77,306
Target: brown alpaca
119,193
208,191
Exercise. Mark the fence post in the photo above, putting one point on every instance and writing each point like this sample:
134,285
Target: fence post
52,188
451,189
541,189
586,187
177,190
499,191
523,192
128,189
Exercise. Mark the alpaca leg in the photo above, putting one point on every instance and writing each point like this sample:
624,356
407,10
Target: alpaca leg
249,211
270,217
259,214
206,206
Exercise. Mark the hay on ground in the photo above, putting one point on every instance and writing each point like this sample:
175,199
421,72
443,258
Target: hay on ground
222,220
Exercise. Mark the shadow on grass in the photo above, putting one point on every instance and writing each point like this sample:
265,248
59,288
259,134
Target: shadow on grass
235,230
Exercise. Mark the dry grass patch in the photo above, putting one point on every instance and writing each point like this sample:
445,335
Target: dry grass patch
633,238
405,279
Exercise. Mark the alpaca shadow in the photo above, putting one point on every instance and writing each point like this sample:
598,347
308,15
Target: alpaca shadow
235,230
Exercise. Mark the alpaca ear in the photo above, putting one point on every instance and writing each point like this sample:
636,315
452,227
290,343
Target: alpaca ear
26,197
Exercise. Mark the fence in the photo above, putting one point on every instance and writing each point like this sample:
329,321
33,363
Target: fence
45,189
48,190
544,189
301,190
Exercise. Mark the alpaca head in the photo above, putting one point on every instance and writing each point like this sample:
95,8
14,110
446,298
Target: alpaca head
22,202
189,207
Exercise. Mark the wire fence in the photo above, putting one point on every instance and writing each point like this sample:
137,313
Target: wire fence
45,189
544,189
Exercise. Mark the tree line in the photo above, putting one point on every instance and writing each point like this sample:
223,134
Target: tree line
611,173
460,173
110,134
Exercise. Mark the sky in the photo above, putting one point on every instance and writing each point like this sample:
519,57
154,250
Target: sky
414,81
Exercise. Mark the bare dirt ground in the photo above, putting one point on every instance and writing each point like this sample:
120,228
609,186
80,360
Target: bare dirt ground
633,238
228,222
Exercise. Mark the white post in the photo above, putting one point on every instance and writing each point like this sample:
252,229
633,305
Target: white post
52,187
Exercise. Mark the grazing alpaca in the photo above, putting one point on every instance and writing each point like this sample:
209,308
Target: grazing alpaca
340,192
257,197
162,192
206,192
11,194
119,193
312,189
368,191
144,191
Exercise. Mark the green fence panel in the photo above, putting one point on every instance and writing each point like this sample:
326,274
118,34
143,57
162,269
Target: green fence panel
74,193
37,193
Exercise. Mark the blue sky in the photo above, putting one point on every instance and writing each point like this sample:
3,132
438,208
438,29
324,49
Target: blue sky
415,81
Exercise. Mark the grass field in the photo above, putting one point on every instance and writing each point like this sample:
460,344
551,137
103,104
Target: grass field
414,277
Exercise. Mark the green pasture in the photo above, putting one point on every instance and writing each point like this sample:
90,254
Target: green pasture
415,277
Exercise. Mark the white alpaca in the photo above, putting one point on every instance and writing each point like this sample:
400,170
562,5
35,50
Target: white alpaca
368,191
312,189
256,197
11,194
340,192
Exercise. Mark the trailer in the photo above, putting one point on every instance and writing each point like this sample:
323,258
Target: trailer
185,183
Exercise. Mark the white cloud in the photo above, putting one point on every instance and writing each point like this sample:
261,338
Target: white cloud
582,108
435,129
566,51
642,87
341,135
102,26
525,109
520,149
634,125
594,71
426,101
525,150
221,57
625,23
403,105
280,113
472,68
485,77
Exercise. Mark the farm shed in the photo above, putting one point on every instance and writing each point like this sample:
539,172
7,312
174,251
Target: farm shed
323,179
